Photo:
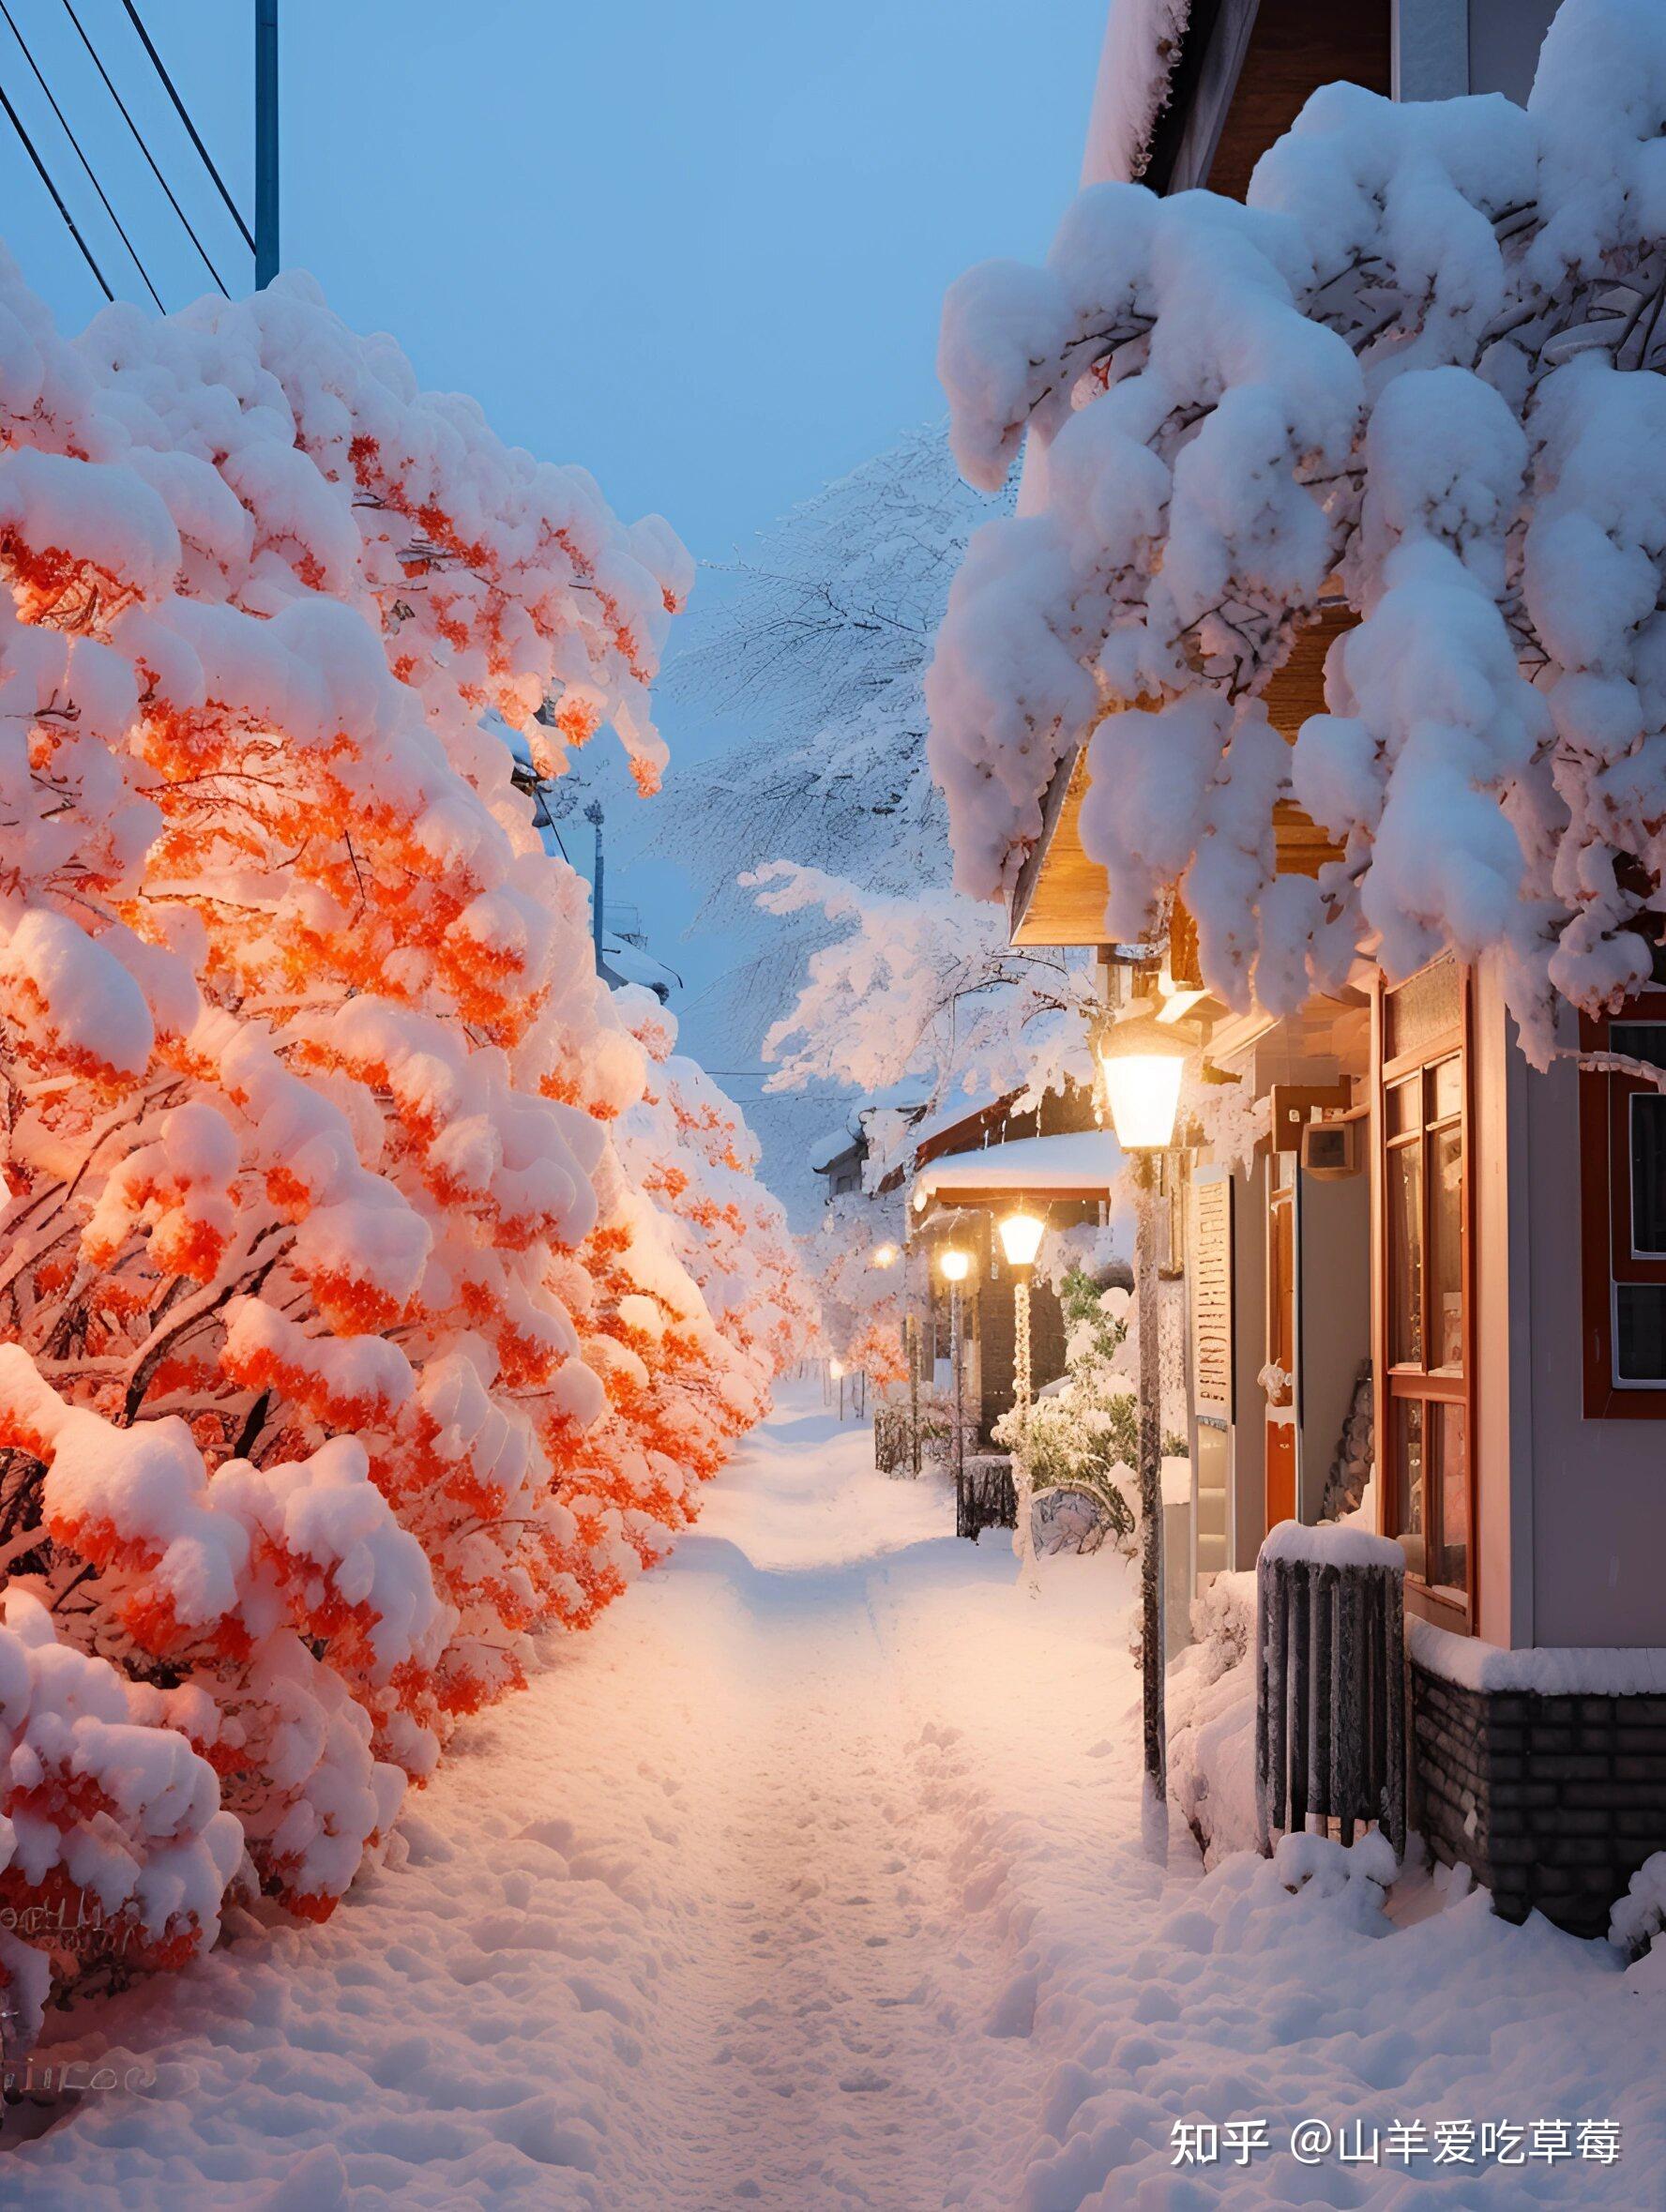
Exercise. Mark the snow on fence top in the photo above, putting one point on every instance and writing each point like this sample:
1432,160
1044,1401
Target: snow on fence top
1420,366
1330,1543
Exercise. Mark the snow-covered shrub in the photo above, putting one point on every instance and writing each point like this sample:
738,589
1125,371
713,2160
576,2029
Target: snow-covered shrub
1082,1432
1211,1712
1636,1923
344,1347
115,1854
1423,366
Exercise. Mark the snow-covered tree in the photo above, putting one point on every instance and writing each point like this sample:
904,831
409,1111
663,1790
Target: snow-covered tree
924,984
319,1246
1422,369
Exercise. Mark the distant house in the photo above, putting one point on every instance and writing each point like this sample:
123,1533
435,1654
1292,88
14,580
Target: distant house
964,1173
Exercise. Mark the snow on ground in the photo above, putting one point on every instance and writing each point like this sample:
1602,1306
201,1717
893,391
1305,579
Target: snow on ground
811,1877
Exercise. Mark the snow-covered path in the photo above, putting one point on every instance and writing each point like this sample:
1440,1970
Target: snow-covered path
691,1922
811,1878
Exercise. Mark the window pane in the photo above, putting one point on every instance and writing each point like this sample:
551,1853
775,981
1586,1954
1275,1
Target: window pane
1639,1041
1446,1214
1446,1089
1405,1106
1408,1470
1405,1256
1421,1010
1639,1350
1449,1562
1648,1172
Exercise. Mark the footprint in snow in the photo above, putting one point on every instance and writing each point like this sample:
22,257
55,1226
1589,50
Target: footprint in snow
864,2079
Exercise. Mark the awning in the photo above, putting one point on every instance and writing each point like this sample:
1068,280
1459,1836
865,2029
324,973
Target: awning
1083,1164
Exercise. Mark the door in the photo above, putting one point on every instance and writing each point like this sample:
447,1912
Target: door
1277,1376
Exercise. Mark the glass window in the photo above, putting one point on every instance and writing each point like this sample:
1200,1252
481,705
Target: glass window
1446,1089
1409,1472
1639,1333
1422,1011
1405,1255
1648,1175
1405,1106
1448,1560
1639,1041
1446,1238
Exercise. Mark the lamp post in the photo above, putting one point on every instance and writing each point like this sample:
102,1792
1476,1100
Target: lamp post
954,1264
1021,1240
836,1369
1141,1062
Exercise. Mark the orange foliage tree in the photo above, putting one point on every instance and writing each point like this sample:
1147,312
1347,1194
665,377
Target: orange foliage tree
361,1316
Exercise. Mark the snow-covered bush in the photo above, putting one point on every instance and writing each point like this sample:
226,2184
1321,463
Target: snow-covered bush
1422,369
347,1338
115,1853
1211,1711
1636,1923
1082,1432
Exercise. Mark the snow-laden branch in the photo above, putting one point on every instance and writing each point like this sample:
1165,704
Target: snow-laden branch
1421,368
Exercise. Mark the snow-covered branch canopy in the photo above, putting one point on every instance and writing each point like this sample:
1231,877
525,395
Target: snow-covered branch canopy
1421,368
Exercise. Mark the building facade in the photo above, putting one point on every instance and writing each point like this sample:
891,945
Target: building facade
1423,1278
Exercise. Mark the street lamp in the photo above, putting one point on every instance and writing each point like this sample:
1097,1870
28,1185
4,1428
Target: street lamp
1141,1062
884,1255
836,1369
1021,1240
955,1265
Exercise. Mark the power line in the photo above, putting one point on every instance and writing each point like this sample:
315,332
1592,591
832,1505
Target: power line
185,118
17,123
139,141
132,250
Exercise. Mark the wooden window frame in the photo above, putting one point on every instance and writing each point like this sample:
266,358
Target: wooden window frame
1449,1607
1605,1223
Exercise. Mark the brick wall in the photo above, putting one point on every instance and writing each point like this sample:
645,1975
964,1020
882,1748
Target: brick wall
1554,1801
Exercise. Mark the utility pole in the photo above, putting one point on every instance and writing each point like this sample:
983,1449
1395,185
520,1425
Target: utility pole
265,142
593,815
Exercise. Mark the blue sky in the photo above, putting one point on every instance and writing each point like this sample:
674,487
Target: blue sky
699,244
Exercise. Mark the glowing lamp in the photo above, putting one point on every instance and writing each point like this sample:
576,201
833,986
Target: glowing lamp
1141,1062
955,1264
1021,1239
884,1255
836,1368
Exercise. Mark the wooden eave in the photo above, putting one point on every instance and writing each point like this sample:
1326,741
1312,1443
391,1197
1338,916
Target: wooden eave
1061,894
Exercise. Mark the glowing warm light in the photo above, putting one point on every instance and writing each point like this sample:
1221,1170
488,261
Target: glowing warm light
836,1368
1021,1237
1142,1062
955,1264
884,1255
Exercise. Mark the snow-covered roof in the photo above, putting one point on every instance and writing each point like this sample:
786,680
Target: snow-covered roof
1137,63
1083,1163
834,1145
638,966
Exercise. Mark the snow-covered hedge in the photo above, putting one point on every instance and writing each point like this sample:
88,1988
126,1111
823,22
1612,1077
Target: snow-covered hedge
1421,369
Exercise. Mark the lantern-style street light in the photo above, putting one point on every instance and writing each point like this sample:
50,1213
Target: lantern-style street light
1021,1240
954,1265
883,1256
836,1369
1141,1062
